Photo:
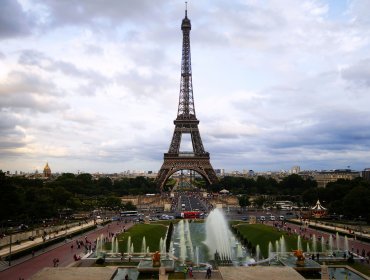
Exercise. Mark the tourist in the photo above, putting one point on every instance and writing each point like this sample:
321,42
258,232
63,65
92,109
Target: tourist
185,270
126,277
208,273
191,272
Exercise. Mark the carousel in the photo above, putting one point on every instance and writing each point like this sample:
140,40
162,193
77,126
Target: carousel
318,210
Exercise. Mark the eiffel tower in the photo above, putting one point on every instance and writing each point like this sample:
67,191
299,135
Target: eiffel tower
186,122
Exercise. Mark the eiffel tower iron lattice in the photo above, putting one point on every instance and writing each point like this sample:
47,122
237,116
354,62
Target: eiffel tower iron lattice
186,123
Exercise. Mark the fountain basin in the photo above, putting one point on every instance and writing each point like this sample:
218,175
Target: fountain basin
306,265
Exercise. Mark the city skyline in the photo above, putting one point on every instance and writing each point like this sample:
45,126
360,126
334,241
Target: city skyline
95,87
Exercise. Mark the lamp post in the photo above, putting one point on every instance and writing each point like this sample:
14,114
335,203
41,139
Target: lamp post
10,246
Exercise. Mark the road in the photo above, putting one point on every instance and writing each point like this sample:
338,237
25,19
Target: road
64,252
190,202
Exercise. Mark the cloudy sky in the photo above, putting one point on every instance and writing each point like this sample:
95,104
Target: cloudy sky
93,85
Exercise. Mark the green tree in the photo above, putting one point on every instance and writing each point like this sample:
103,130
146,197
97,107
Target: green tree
259,201
357,202
129,206
243,201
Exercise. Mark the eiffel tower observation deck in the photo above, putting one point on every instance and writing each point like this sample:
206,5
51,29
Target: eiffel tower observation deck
186,122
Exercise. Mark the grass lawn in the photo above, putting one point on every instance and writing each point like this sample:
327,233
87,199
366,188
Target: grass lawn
262,235
152,233
164,222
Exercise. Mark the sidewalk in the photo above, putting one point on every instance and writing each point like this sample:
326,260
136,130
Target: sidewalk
4,252
333,228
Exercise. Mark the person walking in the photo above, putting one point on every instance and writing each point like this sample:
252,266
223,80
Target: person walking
185,271
208,273
191,272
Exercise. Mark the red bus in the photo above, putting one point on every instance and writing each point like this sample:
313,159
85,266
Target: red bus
191,214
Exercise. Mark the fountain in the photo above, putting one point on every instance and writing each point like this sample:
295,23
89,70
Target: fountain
218,235
299,243
99,245
258,252
239,251
330,244
143,245
270,250
129,245
323,249
282,245
182,241
199,242
277,247
337,241
160,245
188,239
170,251
197,256
114,245
308,248
314,243
346,246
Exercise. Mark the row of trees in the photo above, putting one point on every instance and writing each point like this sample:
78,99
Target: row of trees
25,199
350,198
292,185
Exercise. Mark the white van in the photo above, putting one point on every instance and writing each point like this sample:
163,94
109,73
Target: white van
262,218
272,218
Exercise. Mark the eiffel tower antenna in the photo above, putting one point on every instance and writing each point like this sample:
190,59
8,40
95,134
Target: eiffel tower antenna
186,122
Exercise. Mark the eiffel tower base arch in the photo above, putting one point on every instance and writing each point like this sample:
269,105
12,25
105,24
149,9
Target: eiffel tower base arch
201,165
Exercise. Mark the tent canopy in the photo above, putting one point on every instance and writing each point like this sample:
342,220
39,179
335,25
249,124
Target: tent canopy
318,206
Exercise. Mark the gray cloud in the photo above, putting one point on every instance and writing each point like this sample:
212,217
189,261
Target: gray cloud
29,91
358,73
93,49
13,20
11,137
94,79
92,13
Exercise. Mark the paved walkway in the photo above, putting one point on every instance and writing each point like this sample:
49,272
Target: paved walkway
28,265
37,241
355,246
340,229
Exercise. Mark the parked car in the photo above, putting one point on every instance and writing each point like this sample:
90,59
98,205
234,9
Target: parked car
272,218
262,218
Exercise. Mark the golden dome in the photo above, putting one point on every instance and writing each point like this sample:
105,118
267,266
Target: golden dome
47,167
47,171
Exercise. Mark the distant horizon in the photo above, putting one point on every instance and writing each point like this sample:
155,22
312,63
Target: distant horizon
276,84
140,171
